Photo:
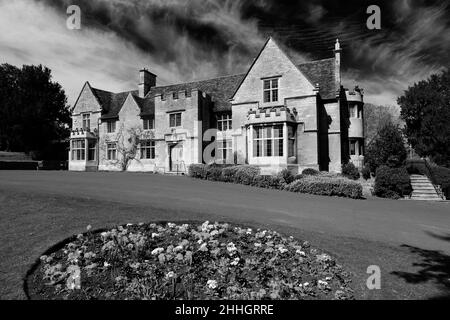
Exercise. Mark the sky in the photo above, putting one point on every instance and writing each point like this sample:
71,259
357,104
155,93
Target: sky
186,40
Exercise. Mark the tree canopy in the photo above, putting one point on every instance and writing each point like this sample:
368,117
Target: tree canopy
425,108
387,148
376,116
33,109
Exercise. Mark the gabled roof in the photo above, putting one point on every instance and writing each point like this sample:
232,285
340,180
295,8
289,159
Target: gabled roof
110,102
321,72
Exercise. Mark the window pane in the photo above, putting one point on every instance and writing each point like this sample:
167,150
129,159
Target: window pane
268,148
275,83
274,95
266,84
172,120
267,96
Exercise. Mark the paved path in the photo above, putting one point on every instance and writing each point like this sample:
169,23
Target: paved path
420,224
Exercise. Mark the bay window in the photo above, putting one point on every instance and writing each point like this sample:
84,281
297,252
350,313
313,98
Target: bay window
268,141
78,149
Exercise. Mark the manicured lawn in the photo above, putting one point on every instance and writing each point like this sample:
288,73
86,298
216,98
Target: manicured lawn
39,209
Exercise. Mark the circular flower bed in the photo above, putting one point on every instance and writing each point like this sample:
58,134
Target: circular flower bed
187,261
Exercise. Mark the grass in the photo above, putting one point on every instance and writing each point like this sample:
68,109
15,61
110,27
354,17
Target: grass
33,222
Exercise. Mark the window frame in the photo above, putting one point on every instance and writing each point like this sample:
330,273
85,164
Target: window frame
111,126
224,150
224,120
177,119
147,152
86,121
78,147
111,151
148,123
270,91
265,141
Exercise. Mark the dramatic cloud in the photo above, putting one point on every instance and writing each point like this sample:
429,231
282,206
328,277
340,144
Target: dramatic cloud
183,40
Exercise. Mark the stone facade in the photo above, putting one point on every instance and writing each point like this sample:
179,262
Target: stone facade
278,115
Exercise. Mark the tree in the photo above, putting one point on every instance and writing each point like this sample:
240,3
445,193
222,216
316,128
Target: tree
377,116
127,145
33,109
387,148
425,108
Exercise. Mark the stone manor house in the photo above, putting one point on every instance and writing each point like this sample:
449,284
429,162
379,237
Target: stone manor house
277,115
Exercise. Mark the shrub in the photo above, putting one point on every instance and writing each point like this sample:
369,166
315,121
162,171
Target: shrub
299,176
392,182
310,172
318,185
245,174
197,171
365,172
214,173
286,176
350,171
268,182
229,173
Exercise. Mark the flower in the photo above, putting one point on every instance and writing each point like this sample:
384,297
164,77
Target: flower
178,248
170,275
171,225
157,251
154,235
89,227
283,250
203,247
212,284
257,244
322,284
231,247
300,252
106,264
249,231
235,262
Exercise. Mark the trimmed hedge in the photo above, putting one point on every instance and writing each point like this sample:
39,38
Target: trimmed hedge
310,172
320,185
19,165
392,183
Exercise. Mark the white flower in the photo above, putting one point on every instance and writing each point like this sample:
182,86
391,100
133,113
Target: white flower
235,262
249,231
322,284
328,278
89,227
178,248
171,225
231,247
170,275
129,224
306,284
257,244
157,251
300,252
200,241
212,284
282,250
203,247
214,233
106,264
155,235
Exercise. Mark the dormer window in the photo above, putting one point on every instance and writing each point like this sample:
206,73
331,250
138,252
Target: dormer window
270,90
175,95
111,126
224,122
149,123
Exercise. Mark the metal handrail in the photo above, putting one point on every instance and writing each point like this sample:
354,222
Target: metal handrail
430,174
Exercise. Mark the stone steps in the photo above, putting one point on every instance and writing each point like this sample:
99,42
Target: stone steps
423,189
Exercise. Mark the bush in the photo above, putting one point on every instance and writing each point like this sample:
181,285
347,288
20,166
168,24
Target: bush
318,185
310,172
268,182
213,172
350,171
245,174
197,171
299,176
286,176
392,182
365,172
18,165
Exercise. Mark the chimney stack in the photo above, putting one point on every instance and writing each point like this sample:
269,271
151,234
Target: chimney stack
337,65
146,81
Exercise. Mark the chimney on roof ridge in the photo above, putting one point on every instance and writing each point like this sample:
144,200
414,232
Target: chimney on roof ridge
146,81
337,65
